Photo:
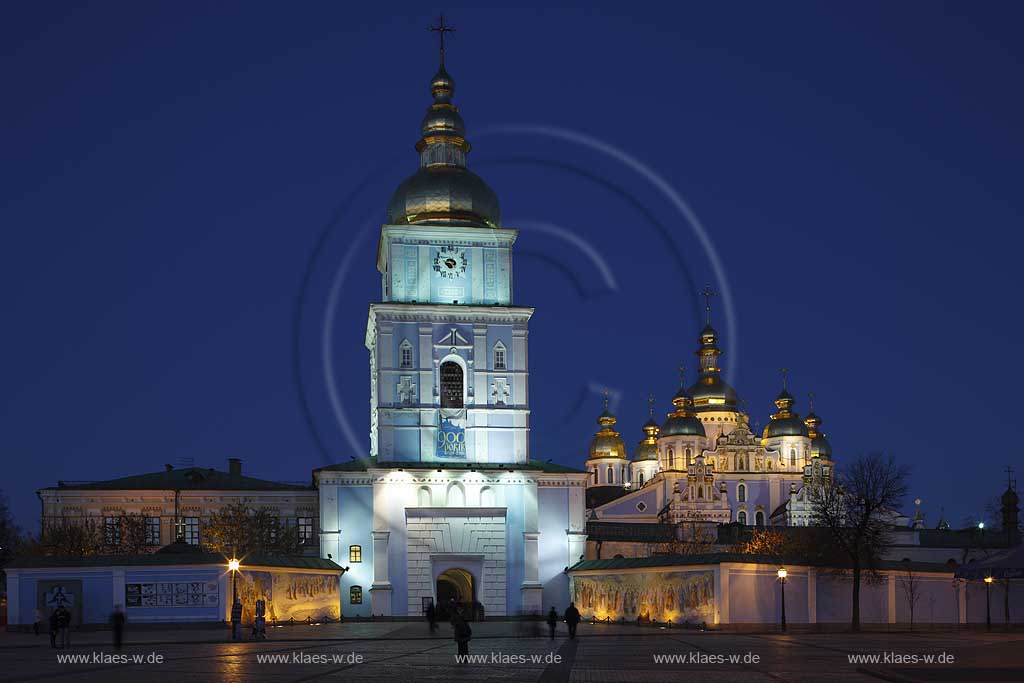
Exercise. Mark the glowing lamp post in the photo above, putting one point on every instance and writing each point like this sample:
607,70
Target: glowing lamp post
236,608
782,593
988,603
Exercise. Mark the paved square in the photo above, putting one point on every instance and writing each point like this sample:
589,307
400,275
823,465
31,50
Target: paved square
514,651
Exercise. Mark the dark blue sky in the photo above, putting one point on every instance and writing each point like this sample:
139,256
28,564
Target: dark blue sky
169,171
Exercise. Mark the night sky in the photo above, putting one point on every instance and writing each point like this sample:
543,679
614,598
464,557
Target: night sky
185,185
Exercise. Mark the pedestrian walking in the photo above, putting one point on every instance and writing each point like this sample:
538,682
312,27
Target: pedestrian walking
432,617
63,626
117,620
462,632
552,622
54,628
572,619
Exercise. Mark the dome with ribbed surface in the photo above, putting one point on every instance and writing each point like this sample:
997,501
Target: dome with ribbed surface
443,191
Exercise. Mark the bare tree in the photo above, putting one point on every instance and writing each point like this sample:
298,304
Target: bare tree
240,529
855,506
910,584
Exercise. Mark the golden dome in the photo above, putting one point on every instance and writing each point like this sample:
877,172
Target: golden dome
443,191
606,442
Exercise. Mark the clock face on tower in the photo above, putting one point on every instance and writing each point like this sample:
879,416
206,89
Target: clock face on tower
450,262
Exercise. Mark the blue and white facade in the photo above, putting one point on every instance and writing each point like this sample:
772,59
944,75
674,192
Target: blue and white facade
449,504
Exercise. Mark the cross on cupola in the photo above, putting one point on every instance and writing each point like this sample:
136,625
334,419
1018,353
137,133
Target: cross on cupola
440,30
708,293
785,377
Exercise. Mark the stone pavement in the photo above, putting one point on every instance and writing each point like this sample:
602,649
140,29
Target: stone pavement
515,651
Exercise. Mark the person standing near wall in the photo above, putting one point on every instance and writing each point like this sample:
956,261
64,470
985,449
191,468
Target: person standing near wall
54,628
461,631
552,622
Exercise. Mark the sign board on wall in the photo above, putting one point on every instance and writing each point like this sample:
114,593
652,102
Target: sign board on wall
172,594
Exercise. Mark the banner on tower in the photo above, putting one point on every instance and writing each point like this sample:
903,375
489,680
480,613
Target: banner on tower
451,434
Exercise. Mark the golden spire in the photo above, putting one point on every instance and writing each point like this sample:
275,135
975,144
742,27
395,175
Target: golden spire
606,442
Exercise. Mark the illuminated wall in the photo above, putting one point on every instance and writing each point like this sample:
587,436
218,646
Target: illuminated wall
679,596
289,595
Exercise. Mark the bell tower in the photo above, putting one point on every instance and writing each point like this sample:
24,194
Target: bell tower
448,350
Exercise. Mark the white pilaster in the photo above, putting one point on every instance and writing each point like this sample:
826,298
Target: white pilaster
380,590
14,597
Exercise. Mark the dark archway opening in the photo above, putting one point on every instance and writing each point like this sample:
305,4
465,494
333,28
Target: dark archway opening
456,589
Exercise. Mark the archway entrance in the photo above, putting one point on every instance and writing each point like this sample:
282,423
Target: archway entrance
455,587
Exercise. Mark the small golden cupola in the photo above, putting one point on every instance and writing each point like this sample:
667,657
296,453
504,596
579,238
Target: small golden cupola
785,422
606,442
820,447
682,421
647,449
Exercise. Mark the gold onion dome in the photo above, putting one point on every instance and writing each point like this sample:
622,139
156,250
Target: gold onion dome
682,421
710,391
443,191
784,421
647,449
820,447
606,442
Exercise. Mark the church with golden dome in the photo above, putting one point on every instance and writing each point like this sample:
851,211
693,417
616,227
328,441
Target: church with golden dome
704,463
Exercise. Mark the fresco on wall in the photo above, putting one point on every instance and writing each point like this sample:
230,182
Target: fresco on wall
679,596
289,595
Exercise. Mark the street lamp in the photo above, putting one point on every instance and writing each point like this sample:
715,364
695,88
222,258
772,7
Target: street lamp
236,612
988,603
782,589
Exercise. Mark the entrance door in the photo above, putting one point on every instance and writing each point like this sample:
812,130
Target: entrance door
455,587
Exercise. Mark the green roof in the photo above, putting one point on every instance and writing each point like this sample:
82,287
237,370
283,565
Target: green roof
718,558
170,559
184,479
362,464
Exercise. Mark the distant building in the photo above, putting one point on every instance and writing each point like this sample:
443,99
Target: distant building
176,501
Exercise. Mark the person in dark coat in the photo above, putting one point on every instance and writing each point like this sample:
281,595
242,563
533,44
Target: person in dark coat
552,622
117,620
432,617
63,626
462,633
572,619
54,627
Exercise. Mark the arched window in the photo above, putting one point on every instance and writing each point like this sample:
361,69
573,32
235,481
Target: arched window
451,384
769,462
741,517
456,496
671,459
611,474
700,493
355,595
355,553
741,493
487,497
689,457
405,354
424,496
640,479
499,357
759,518
792,457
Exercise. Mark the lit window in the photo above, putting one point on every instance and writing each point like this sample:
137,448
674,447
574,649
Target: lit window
152,531
355,553
112,530
305,529
188,530
355,595
792,457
